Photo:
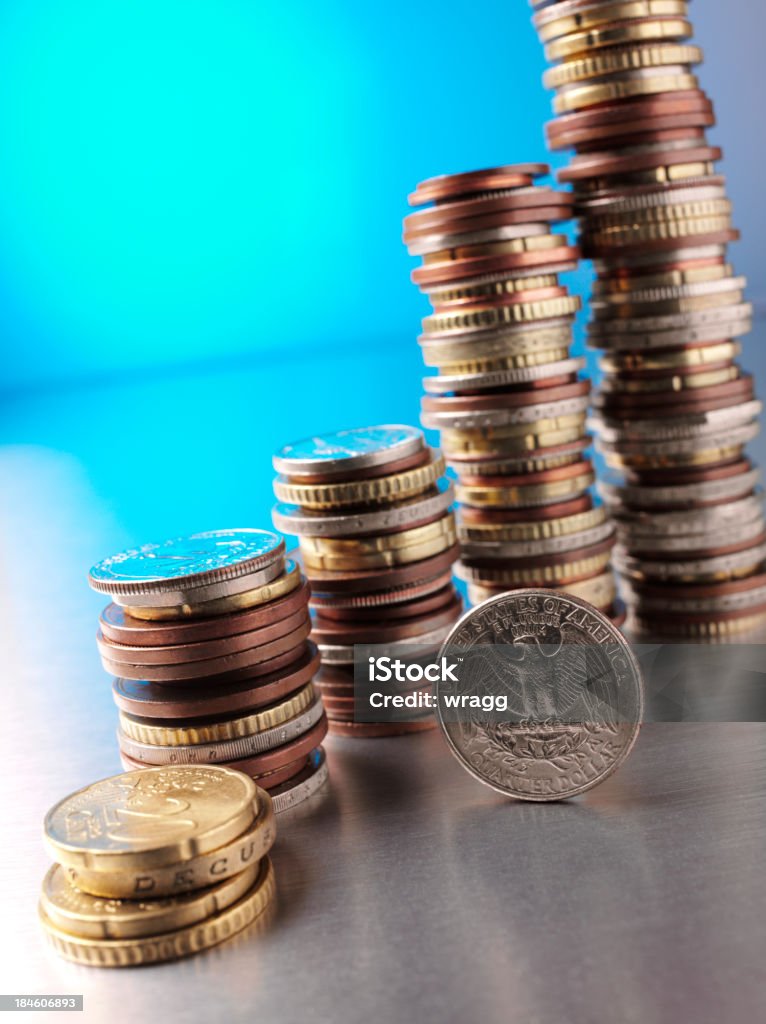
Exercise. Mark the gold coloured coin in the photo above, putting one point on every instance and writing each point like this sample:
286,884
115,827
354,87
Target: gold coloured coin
151,817
640,31
279,587
554,27
539,529
378,490
510,246
652,232
381,559
505,286
169,945
145,731
711,630
678,460
189,875
622,89
504,343
629,58
691,210
92,917
676,383
519,496
495,316
352,546
650,176
600,590
699,356
613,287
547,574
507,363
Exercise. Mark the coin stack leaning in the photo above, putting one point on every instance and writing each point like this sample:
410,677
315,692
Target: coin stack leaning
208,637
372,511
507,398
675,411
157,864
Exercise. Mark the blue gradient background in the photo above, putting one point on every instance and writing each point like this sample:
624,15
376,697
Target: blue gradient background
200,221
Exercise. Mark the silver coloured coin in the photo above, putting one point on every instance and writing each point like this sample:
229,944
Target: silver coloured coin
627,495
211,592
343,654
346,451
572,687
690,335
723,603
446,383
522,414
617,299
305,784
692,521
223,750
530,548
537,336
734,438
698,569
675,543
294,519
671,321
217,557
669,428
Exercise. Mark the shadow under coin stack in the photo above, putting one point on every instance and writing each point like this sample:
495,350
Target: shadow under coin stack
507,398
371,509
674,410
208,637
138,883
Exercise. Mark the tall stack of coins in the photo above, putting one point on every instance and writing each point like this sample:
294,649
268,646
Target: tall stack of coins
674,411
372,511
156,864
507,398
208,637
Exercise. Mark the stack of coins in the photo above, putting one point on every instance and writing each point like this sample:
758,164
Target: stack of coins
507,398
156,864
675,410
208,637
372,512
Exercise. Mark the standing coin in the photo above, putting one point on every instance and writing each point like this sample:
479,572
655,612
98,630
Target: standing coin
572,688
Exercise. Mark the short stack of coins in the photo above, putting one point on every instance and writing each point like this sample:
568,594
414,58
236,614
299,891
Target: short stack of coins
208,637
507,398
674,411
372,512
157,864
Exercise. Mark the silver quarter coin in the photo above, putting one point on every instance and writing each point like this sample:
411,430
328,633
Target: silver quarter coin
572,692
348,450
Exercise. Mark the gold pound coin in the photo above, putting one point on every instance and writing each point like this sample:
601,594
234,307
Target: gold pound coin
279,587
490,289
172,945
494,316
189,875
151,817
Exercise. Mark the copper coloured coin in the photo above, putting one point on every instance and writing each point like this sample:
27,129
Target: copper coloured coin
326,581
472,514
610,130
650,136
251,662
736,391
268,781
121,628
679,477
428,220
504,400
155,701
390,612
454,229
608,163
672,408
543,561
657,245
178,654
383,599
695,591
450,186
334,632
465,268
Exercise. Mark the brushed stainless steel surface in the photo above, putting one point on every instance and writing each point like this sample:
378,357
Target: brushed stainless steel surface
409,892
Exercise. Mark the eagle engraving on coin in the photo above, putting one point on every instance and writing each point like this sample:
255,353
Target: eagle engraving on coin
549,697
